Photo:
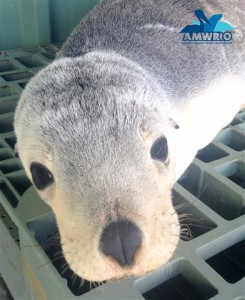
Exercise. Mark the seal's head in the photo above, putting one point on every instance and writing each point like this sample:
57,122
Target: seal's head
95,139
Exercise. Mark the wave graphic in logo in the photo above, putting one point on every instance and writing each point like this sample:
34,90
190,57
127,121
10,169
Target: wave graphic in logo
204,30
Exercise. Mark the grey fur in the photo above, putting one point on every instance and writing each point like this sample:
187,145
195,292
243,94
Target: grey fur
92,115
160,51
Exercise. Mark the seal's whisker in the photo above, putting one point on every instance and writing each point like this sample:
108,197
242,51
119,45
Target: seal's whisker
184,216
65,267
172,243
91,283
100,284
186,205
81,284
186,233
57,258
159,274
60,252
167,209
61,257
191,219
73,278
169,269
173,234
182,206
203,190
43,265
199,226
54,235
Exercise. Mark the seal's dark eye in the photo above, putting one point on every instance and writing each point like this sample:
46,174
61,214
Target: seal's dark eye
159,149
41,176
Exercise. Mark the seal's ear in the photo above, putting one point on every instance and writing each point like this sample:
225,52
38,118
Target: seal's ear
16,150
173,123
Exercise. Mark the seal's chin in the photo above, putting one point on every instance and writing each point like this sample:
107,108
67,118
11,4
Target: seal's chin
95,266
109,271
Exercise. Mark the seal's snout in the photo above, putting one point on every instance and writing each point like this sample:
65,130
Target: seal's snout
120,240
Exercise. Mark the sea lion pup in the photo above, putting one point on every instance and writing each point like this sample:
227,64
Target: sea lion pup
106,129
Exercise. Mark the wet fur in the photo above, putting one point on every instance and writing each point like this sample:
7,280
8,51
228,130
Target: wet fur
122,79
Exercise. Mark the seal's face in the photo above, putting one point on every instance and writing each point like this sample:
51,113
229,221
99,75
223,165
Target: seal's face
98,149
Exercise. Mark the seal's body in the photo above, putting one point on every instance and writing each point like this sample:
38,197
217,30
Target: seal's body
105,130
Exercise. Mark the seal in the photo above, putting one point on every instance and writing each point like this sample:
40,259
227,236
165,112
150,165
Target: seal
106,129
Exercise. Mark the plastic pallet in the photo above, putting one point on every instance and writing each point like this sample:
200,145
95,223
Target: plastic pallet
209,263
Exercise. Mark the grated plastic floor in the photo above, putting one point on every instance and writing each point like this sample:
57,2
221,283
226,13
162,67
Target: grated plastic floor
209,262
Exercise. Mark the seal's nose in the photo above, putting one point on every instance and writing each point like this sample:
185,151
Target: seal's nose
121,240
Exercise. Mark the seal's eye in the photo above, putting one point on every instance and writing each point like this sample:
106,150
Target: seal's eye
41,176
159,149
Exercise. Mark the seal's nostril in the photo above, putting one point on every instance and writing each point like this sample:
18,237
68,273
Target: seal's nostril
121,240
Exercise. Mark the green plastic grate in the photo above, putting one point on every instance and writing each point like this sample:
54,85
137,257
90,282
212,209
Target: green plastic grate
209,262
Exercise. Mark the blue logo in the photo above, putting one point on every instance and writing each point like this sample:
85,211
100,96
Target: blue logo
204,30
